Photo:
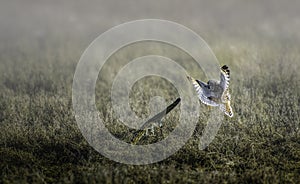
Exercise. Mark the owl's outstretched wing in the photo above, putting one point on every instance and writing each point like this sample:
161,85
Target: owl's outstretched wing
203,98
224,82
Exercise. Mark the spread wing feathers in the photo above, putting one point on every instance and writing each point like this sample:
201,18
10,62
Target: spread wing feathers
204,99
226,108
224,82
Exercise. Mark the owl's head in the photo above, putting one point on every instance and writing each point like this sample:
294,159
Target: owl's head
212,84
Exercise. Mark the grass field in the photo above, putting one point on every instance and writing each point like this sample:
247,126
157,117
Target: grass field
41,143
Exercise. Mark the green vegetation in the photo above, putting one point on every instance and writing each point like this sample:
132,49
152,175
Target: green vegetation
40,141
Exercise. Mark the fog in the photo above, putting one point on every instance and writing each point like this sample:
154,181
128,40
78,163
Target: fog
84,20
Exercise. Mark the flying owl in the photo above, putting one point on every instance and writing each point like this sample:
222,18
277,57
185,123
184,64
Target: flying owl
215,93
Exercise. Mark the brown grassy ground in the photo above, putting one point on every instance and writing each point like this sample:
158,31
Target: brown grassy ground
40,141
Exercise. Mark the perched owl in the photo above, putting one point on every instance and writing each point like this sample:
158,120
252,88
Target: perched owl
215,93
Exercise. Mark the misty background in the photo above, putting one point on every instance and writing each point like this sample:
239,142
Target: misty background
41,42
80,21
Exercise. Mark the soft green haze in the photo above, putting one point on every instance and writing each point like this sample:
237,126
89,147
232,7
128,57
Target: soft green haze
42,41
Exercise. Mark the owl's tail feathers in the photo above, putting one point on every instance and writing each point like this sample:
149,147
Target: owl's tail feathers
226,108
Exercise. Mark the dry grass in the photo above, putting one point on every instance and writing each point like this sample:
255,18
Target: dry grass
40,141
